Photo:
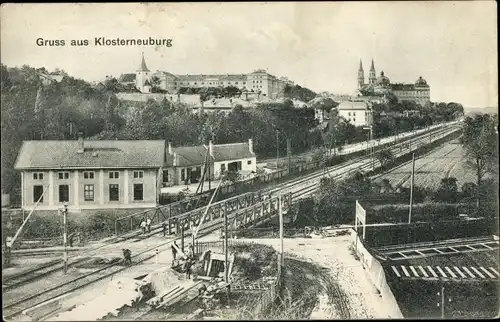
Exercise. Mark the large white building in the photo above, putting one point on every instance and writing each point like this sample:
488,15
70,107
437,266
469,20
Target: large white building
258,81
358,113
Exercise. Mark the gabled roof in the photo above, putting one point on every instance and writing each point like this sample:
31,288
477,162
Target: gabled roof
195,155
127,78
232,151
189,155
107,154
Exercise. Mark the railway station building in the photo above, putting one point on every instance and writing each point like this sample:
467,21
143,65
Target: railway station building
117,174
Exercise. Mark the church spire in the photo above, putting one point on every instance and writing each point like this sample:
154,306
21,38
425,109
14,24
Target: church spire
143,67
361,75
372,76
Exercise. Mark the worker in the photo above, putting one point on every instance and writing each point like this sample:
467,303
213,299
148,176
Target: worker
71,238
188,266
127,256
164,229
174,250
148,224
143,226
202,290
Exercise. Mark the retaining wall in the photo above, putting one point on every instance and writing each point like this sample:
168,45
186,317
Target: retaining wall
377,275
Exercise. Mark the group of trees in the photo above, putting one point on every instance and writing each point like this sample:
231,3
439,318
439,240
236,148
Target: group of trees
58,111
480,141
297,92
388,118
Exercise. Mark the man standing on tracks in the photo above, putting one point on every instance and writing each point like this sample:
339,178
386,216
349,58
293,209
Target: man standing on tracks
174,250
164,229
127,256
148,224
188,266
143,226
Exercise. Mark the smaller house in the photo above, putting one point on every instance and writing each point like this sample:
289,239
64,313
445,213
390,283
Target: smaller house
358,113
185,165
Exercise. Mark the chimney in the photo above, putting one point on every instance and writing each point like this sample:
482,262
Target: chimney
175,159
211,148
250,145
170,148
80,143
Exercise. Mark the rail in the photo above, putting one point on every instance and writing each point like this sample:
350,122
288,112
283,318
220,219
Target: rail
261,211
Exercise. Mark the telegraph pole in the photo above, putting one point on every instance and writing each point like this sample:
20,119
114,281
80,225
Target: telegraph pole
442,301
411,187
372,147
289,152
65,233
277,149
280,211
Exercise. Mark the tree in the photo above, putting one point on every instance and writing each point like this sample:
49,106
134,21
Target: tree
447,190
479,140
385,157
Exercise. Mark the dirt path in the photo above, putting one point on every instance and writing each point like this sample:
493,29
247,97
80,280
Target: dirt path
351,295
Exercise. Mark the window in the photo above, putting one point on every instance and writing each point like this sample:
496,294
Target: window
223,167
249,162
38,176
63,193
138,192
354,120
37,193
354,113
349,113
63,175
183,174
138,174
114,193
114,174
165,175
88,175
88,192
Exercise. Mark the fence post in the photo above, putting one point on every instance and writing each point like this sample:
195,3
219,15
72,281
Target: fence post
131,224
116,227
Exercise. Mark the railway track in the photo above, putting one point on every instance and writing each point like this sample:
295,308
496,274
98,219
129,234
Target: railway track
309,184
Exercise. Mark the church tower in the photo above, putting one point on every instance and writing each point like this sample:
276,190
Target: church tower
361,75
372,77
142,77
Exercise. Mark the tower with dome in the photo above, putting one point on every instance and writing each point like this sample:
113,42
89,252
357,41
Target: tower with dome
378,87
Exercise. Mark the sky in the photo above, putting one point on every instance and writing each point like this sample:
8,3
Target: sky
453,45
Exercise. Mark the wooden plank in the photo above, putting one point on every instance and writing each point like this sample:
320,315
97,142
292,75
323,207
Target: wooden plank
494,271
432,271
468,272
490,248
401,253
453,249
420,253
470,247
437,250
441,271
396,271
414,271
487,272
477,272
459,272
405,271
423,271
451,272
